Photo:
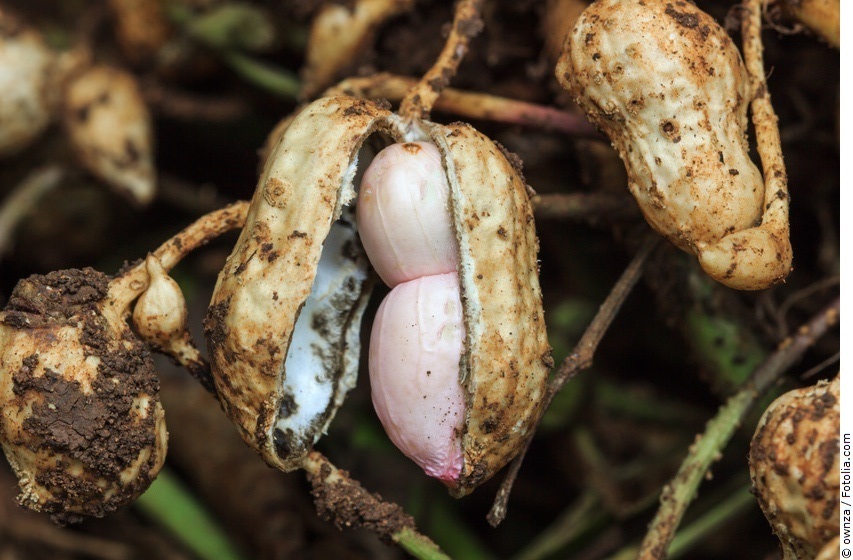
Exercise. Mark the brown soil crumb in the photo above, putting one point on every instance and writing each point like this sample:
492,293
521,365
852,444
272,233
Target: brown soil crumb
348,504
683,18
56,298
214,324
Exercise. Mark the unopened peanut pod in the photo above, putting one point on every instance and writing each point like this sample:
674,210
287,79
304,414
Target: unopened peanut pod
338,36
82,424
794,465
109,127
282,387
27,84
823,17
667,85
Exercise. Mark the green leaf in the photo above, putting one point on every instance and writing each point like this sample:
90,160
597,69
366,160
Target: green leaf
171,505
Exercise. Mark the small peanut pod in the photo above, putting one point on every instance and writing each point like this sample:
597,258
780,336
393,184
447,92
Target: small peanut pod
667,85
264,294
82,424
160,319
339,35
160,314
794,465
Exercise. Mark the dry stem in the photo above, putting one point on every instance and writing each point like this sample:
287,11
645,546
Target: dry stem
580,359
131,283
775,218
467,24
471,105
24,199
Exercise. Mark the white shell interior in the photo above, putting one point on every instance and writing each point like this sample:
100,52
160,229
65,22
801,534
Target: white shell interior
322,360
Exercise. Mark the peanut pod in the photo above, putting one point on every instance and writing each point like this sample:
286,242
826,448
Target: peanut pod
82,424
667,85
794,465
28,84
285,315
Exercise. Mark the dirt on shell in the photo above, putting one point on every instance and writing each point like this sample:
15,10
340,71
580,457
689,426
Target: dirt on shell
56,298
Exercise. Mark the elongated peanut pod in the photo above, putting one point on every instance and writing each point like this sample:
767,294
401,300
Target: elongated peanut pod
666,83
404,216
28,99
415,347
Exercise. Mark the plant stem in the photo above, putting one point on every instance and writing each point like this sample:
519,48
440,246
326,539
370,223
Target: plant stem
128,285
473,105
739,501
24,200
418,545
678,494
577,361
467,24
734,504
584,352
765,121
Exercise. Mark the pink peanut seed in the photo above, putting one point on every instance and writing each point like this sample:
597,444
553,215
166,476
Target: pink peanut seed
415,347
403,214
